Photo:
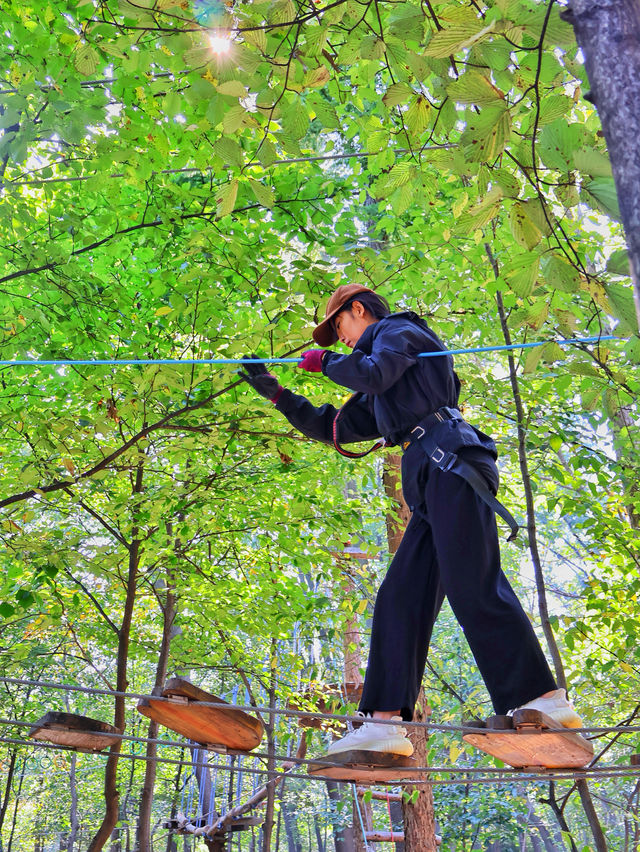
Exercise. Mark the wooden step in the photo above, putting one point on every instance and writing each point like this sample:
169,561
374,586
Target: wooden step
77,732
365,767
516,740
218,728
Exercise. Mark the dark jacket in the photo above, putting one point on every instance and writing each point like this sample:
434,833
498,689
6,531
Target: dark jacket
394,389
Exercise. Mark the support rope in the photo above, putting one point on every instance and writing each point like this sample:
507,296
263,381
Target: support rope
114,362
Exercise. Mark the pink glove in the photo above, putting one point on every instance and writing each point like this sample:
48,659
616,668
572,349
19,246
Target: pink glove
312,360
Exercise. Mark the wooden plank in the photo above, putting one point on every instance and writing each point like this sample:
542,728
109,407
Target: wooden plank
516,740
364,767
78,732
215,727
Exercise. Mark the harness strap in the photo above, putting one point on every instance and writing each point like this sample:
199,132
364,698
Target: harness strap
448,461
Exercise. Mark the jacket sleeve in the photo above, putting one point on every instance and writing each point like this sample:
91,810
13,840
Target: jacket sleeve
394,350
356,421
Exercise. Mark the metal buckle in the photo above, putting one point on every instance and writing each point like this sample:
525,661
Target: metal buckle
415,428
440,457
439,416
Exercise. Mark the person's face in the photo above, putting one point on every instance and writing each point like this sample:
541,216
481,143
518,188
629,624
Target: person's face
351,323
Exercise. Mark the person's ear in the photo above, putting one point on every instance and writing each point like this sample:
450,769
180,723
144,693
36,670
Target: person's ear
358,309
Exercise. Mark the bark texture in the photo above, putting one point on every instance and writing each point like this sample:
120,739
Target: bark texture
418,818
608,31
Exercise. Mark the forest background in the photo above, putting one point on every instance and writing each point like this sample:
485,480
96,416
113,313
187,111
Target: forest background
191,181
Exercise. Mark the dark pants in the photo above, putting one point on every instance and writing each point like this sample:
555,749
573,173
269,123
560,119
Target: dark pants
450,547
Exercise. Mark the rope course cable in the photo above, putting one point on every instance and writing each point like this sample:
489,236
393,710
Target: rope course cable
113,362
276,711
464,775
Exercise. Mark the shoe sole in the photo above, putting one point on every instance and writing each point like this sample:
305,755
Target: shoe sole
388,746
568,719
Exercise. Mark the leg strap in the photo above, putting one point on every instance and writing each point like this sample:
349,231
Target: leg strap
446,461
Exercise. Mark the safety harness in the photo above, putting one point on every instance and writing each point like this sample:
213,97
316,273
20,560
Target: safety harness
442,459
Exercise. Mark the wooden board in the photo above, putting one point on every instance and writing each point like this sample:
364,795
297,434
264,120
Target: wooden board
216,727
364,767
515,740
78,732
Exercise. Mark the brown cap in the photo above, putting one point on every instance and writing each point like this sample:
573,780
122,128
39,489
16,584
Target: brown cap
324,334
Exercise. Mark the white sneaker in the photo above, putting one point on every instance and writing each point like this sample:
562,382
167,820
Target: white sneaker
557,707
391,739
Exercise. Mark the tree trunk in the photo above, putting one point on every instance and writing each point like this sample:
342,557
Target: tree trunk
592,816
111,794
143,832
608,31
291,828
7,791
73,810
342,838
418,818
15,806
267,828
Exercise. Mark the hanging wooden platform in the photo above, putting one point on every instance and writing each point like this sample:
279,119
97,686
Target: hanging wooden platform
218,728
201,829
77,732
557,749
364,767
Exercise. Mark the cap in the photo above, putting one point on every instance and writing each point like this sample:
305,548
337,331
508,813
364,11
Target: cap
324,333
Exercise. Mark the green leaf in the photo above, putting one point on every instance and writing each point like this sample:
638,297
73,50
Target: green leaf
417,116
532,359
264,194
318,77
603,196
452,39
229,151
486,134
554,107
234,88
525,232
325,111
226,199
592,162
295,120
618,263
473,87
557,144
621,300
86,59
560,274
257,39
398,93
521,274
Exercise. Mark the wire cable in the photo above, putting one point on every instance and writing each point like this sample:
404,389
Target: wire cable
492,775
276,711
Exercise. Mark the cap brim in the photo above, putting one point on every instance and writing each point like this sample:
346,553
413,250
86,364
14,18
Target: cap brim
324,334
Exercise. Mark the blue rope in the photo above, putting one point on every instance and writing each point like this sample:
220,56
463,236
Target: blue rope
111,362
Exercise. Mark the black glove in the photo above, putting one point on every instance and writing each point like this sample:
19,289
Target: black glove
266,384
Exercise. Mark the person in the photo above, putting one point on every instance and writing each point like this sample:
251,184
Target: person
450,546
